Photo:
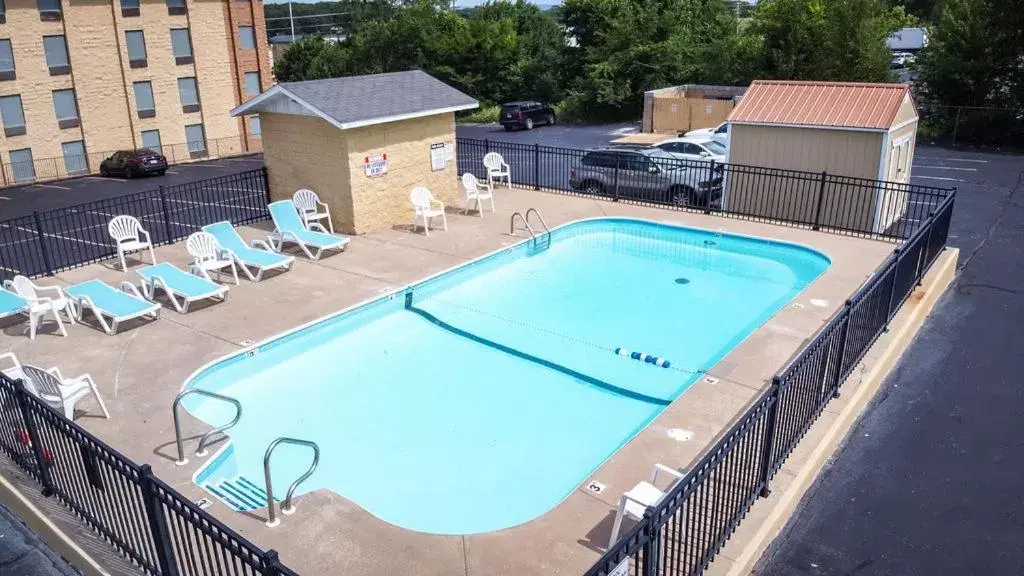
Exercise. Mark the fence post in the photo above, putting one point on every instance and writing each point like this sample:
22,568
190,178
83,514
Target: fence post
848,312
271,563
892,290
487,145
615,181
47,263
821,200
651,552
157,522
769,436
711,188
33,436
956,124
167,212
266,182
536,166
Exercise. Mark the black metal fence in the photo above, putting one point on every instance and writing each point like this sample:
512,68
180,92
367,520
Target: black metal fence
682,534
142,517
63,238
840,204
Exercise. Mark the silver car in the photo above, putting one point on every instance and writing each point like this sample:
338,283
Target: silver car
648,174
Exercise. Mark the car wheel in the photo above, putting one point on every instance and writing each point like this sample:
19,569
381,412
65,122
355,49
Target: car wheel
592,187
129,173
507,127
551,119
161,173
529,123
683,196
104,172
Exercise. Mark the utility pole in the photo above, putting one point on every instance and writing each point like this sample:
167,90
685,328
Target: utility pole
291,21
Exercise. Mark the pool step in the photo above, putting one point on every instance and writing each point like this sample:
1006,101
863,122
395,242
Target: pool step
239,493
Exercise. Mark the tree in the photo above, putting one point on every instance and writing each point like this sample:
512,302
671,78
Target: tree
311,58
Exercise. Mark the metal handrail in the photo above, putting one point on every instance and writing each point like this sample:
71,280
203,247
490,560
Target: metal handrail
539,217
286,507
201,449
512,224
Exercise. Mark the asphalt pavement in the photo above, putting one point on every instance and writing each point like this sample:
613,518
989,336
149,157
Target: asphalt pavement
931,478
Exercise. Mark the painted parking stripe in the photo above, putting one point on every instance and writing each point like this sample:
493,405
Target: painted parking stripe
947,168
975,160
52,186
206,165
63,237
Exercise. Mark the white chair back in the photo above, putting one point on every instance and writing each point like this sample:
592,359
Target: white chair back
305,200
24,288
123,228
470,183
43,385
202,246
493,161
420,197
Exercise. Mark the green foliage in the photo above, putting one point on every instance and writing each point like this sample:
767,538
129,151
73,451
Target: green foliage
482,115
311,58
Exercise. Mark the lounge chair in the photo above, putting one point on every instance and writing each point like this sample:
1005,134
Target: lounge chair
130,236
105,302
289,227
641,497
308,204
497,169
259,257
476,193
208,256
11,303
40,306
59,392
426,207
181,287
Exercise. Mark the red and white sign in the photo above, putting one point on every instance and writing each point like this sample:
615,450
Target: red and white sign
375,165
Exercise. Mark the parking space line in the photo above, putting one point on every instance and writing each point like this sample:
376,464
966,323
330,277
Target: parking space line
947,168
937,178
172,172
51,186
953,159
206,165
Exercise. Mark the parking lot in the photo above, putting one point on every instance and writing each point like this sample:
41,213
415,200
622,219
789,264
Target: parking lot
23,200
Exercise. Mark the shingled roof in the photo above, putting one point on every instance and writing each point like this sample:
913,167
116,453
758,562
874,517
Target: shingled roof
354,101
820,104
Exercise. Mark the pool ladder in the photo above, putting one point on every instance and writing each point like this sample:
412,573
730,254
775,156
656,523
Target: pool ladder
286,506
201,449
526,222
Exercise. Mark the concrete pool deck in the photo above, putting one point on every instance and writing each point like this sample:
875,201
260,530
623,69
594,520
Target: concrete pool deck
141,369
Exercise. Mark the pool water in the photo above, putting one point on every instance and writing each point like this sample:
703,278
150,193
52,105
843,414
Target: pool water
480,398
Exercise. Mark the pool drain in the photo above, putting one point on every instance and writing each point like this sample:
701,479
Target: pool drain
709,242
682,280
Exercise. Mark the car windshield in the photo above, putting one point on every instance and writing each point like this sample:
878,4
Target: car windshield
663,159
715,148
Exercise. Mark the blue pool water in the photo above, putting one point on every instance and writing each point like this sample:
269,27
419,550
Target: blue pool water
498,391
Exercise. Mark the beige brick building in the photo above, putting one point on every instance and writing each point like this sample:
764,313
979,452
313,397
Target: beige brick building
79,80
362,143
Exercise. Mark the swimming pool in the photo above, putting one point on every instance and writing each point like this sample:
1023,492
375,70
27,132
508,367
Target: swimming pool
480,398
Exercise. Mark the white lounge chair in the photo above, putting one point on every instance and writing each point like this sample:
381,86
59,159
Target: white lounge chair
497,169
130,236
105,301
425,207
260,256
61,393
641,497
314,240
308,204
182,288
40,306
476,193
11,303
208,256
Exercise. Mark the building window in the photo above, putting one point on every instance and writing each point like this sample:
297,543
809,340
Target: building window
255,129
129,8
74,157
65,108
49,10
189,94
195,136
252,83
12,115
151,140
56,55
3,12
175,7
135,40
144,105
22,167
181,43
246,40
6,60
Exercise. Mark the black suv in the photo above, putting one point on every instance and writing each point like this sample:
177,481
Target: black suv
132,163
525,114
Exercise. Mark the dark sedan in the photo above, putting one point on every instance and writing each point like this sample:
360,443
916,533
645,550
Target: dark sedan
132,163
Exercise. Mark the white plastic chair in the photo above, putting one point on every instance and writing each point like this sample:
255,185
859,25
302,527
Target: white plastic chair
476,193
497,169
426,207
208,256
641,497
130,236
308,204
61,393
40,306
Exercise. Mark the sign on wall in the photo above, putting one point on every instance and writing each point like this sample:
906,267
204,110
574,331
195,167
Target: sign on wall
449,150
375,165
437,156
